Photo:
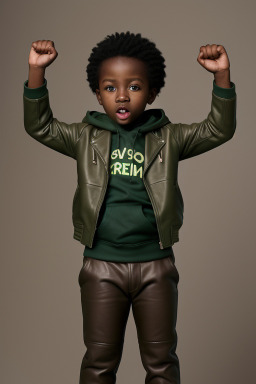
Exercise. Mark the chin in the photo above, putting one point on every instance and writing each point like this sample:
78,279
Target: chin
122,122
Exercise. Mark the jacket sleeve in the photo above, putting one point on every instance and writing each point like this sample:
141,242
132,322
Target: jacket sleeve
219,126
42,126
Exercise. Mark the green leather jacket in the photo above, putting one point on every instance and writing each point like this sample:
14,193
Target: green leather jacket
90,147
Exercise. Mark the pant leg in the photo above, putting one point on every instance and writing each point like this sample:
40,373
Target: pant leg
105,307
154,306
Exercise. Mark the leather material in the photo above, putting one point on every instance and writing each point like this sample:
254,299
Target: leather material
108,291
164,149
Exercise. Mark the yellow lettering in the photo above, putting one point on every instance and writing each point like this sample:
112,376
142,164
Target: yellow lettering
114,154
124,171
136,171
121,156
131,169
117,168
139,157
129,154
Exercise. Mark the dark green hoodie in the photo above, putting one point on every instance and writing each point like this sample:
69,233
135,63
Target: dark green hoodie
127,230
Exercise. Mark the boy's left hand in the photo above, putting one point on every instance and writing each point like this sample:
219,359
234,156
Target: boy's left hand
213,58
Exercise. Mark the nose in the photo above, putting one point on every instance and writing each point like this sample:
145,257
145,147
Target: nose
122,95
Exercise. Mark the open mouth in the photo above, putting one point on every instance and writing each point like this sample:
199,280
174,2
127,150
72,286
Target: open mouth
123,113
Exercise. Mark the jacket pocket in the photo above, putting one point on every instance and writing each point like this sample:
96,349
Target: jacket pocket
126,224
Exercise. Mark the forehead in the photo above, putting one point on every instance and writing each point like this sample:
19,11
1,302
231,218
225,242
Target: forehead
121,66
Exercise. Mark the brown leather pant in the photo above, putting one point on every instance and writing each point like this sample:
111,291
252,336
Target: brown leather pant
108,289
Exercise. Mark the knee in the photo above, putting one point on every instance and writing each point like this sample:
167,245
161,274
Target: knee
158,353
103,355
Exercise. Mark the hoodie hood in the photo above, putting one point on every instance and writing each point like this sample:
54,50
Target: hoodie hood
150,120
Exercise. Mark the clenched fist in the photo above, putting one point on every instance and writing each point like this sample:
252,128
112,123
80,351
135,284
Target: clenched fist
213,58
42,53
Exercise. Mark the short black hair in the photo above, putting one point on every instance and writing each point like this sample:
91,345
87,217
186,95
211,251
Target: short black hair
129,45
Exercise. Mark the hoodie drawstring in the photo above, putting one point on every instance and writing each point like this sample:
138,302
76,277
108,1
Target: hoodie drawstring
118,137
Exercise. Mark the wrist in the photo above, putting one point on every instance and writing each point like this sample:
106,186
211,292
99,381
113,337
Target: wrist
222,78
36,67
36,76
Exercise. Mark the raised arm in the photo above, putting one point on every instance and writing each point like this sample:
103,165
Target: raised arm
38,118
220,124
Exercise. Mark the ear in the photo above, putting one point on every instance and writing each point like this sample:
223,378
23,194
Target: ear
152,95
98,96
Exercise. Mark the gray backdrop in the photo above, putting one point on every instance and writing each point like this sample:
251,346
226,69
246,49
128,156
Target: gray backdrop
41,318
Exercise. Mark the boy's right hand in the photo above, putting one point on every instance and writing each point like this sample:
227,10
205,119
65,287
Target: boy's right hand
42,53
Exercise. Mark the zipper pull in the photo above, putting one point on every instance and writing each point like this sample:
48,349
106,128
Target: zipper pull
94,157
160,157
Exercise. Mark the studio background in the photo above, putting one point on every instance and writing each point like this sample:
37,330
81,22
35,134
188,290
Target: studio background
41,318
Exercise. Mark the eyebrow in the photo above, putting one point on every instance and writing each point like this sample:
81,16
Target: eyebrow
132,79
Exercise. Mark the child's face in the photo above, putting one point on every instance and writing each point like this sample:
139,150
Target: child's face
124,88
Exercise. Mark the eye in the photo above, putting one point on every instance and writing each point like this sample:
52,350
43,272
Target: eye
110,88
134,87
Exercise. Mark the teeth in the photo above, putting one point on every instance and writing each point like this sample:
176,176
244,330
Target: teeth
122,111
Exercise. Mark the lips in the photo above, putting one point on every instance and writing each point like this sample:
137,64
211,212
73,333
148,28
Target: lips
122,113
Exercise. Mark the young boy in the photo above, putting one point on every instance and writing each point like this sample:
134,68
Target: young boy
128,208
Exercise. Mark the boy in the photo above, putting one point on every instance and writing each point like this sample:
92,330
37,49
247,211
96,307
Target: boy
128,208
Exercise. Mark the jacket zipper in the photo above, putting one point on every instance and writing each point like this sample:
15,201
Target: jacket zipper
154,207
101,201
151,197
